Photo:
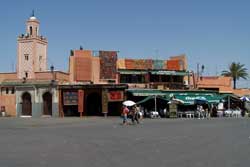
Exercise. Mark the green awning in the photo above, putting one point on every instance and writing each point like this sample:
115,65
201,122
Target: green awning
135,72
175,73
231,96
190,99
152,97
146,92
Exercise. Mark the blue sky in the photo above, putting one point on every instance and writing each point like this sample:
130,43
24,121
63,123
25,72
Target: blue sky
214,33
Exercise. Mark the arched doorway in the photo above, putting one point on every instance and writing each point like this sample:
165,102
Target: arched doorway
93,105
26,105
47,103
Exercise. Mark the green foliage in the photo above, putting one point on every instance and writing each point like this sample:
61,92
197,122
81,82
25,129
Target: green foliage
236,71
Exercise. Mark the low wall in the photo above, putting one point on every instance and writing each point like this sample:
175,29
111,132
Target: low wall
9,101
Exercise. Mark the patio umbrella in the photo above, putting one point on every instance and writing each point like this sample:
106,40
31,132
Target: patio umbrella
176,101
128,103
200,100
244,98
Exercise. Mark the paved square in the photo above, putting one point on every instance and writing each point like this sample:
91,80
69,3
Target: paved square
104,142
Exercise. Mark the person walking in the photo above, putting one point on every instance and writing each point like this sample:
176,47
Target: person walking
125,112
135,114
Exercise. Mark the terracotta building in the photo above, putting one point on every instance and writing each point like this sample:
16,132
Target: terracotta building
217,83
32,89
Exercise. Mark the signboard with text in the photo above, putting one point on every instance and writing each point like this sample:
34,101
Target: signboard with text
115,96
104,101
80,101
70,98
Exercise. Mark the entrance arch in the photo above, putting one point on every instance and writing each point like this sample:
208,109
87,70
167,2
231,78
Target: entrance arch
26,105
47,103
94,105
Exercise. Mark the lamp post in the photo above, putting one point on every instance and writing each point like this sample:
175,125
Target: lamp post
52,72
155,104
199,73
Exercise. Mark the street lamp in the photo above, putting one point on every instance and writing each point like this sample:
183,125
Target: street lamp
52,72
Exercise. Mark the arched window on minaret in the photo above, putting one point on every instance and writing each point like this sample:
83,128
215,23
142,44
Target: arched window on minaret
26,74
30,30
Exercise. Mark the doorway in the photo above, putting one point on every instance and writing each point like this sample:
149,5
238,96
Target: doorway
26,105
47,103
93,105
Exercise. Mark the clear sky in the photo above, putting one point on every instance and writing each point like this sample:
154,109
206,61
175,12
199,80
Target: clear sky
210,32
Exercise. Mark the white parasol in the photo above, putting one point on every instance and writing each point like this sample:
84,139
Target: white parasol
176,101
244,98
128,103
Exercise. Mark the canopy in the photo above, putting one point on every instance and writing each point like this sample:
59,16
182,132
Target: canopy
244,98
232,97
176,101
165,72
198,99
152,97
128,103
132,72
146,92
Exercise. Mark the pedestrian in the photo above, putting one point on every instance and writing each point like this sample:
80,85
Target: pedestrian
214,111
124,114
135,114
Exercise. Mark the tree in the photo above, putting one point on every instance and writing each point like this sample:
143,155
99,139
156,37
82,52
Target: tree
236,71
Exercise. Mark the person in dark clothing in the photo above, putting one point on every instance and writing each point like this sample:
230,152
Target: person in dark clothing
135,114
214,111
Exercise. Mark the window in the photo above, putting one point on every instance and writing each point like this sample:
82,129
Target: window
26,74
30,30
40,58
13,90
7,90
124,78
26,56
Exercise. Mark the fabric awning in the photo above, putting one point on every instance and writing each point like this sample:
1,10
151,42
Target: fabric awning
175,73
135,72
191,99
146,92
152,97
188,97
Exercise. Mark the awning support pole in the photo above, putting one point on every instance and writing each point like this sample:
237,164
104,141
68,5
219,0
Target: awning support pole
155,104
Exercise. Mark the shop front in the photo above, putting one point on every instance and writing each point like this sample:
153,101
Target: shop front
91,99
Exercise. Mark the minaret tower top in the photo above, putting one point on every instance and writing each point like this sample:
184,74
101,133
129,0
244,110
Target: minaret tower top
32,26
31,50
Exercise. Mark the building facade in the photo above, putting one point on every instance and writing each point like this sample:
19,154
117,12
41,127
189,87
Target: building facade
31,50
31,91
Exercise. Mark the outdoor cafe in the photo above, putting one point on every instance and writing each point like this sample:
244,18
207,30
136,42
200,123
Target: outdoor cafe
183,103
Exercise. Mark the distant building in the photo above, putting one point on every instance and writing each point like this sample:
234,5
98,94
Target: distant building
221,84
106,67
154,74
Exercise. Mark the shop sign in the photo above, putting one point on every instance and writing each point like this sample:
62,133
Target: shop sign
70,98
80,100
104,101
115,96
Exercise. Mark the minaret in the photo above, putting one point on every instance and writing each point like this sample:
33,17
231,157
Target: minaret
31,50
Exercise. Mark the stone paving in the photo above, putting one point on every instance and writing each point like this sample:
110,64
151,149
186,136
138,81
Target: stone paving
104,142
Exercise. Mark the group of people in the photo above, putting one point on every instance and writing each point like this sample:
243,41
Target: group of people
201,112
132,113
